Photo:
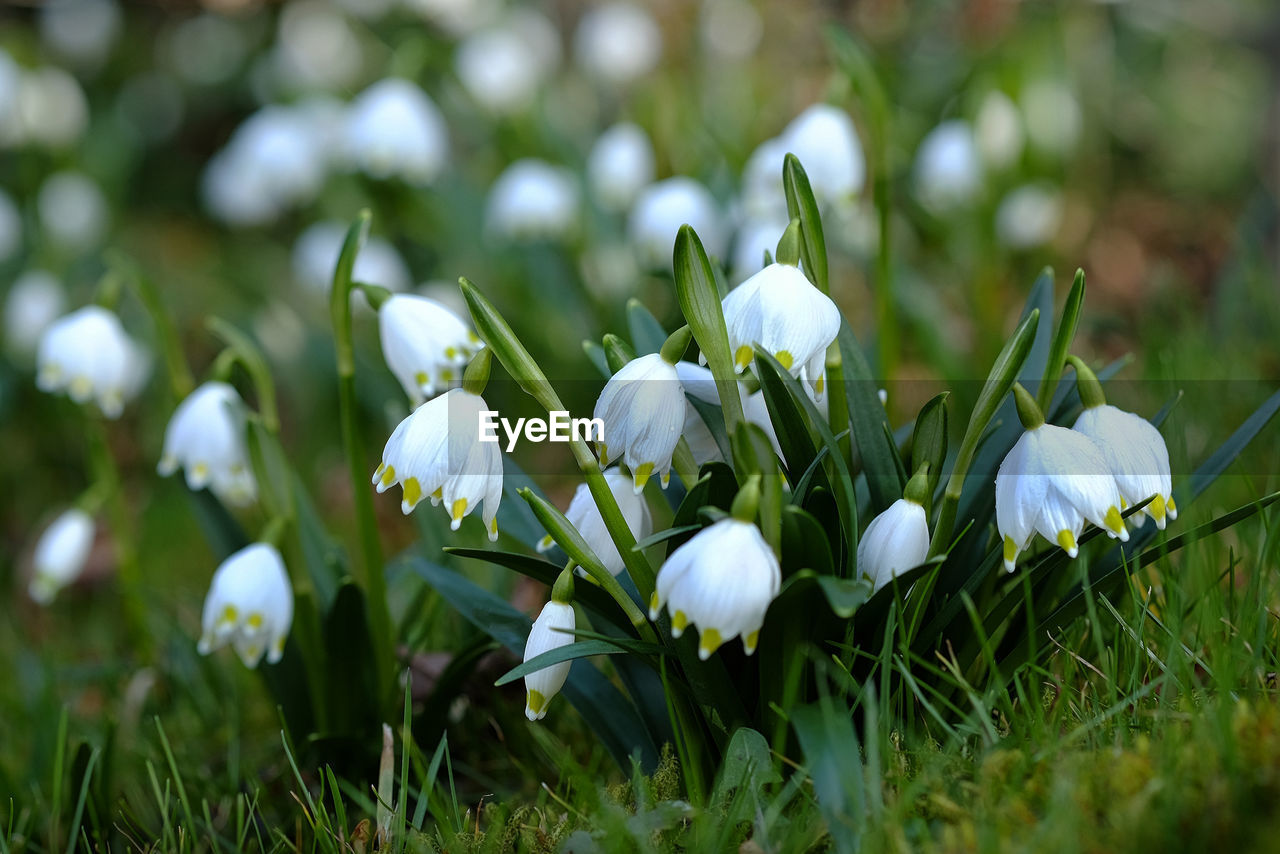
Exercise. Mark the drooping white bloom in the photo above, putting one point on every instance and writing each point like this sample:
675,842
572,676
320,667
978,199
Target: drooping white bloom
1053,116
249,606
585,516
1029,216
52,108
316,252
532,199
316,47
762,196
60,555
779,309
730,29
35,301
896,540
551,630
620,166
617,42
643,410
73,211
82,31
205,437
662,208
754,238
394,130
699,384
1052,482
722,582
1136,454
998,130
948,170
503,67
88,355
826,142
436,453
425,344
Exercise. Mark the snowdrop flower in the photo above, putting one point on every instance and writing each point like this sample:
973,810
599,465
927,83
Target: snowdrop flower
80,30
1029,216
73,211
249,606
34,302
617,42
532,199
998,130
60,556
585,517
552,630
436,453
52,108
205,438
779,309
898,538
395,130
88,355
620,166
1052,482
503,67
425,344
315,257
643,410
662,208
948,170
721,581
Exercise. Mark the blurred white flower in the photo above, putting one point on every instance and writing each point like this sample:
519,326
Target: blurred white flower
730,29
73,211
826,142
532,199
721,582
52,108
998,130
35,301
457,17
205,437
394,130
425,344
620,166
88,355
617,42
643,410
1137,456
503,67
551,630
249,606
10,227
895,541
316,48
584,515
1053,116
948,169
281,331
1029,216
762,196
662,208
436,453
608,269
207,49
315,257
60,555
754,238
82,31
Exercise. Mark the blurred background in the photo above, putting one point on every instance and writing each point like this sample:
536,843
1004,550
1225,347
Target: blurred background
548,152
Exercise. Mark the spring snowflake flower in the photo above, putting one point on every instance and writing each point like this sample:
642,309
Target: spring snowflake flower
88,355
585,516
617,42
532,199
1136,454
721,581
699,384
620,166
425,344
948,168
205,438
826,142
662,208
503,67
436,453
551,630
1029,216
998,130
81,31
643,410
60,555
315,257
35,301
249,606
52,108
73,211
395,130
898,538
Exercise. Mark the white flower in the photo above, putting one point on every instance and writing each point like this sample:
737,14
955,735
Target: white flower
551,630
425,344
643,409
1053,116
316,47
88,354
779,309
698,383
205,437
457,17
503,67
52,108
35,301
60,554
1137,456
315,257
1029,216
755,237
1052,482
395,130
617,42
249,605
762,195
585,517
620,166
73,211
826,142
721,581
730,29
662,208
948,170
532,199
896,540
82,31
998,130
436,452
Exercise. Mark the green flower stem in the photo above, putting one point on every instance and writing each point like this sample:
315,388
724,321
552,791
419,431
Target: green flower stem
837,401
1062,338
886,317
180,378
240,348
371,550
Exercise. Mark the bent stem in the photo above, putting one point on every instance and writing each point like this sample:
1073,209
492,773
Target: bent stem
241,349
181,381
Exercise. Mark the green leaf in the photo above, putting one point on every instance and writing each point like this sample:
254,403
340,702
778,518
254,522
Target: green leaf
325,559
833,757
1227,453
753,454
568,652
801,205
616,353
929,440
351,686
1062,339
845,595
493,328
747,765
788,423
867,420
700,304
804,543
598,359
647,334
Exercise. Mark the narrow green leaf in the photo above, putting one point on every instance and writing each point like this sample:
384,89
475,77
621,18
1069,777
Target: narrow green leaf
834,760
700,304
617,353
802,206
647,334
1062,338
568,652
929,440
867,421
